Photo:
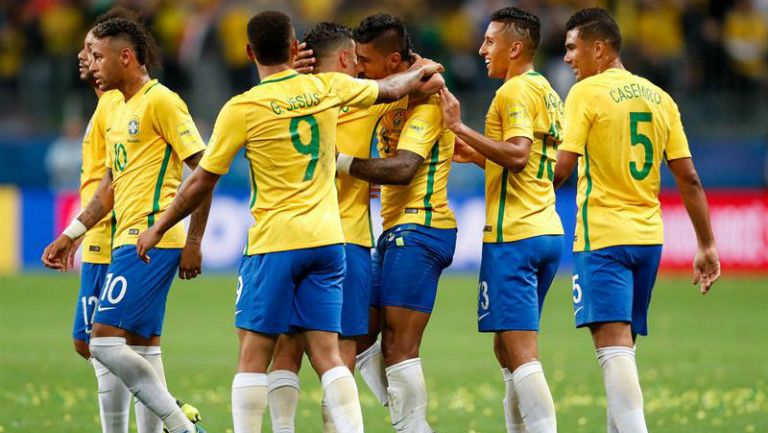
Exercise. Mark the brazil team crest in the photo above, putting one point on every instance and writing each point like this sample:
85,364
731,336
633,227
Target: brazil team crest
133,127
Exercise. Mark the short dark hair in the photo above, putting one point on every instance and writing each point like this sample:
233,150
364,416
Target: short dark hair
326,37
119,12
522,23
387,32
270,34
144,45
596,23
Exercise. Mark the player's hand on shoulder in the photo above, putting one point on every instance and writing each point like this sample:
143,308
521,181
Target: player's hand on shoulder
304,61
147,240
55,254
431,85
706,268
191,264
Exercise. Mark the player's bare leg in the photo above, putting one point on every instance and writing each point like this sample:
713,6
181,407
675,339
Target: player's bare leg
407,390
339,388
527,393
370,362
614,343
284,382
109,346
249,387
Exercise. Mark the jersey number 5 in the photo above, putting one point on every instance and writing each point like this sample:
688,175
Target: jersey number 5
312,148
637,138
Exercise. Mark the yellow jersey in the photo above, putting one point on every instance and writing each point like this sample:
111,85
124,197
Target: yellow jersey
522,205
623,126
354,195
148,138
287,124
97,243
425,200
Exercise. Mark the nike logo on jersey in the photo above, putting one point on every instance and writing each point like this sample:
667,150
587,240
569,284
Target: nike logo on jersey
100,308
483,316
238,312
577,310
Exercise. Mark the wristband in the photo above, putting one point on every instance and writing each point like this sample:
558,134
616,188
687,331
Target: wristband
344,162
75,229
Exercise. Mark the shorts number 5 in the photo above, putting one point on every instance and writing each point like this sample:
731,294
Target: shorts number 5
576,290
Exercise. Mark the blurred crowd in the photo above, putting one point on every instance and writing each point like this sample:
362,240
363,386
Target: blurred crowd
711,55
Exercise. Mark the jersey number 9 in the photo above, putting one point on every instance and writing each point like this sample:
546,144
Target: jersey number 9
312,148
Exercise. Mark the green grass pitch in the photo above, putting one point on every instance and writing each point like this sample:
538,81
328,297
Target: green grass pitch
703,369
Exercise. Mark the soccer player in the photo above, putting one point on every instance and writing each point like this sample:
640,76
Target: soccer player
292,271
419,235
620,127
148,135
333,50
523,237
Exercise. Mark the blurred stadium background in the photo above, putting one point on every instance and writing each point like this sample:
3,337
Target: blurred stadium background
712,56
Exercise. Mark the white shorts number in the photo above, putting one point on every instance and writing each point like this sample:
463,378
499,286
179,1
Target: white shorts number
109,288
239,289
576,290
483,295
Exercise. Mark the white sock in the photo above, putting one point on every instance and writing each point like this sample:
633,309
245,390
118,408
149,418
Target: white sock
534,399
408,397
146,420
340,394
512,416
249,399
622,388
114,400
370,364
283,399
328,426
142,380
611,423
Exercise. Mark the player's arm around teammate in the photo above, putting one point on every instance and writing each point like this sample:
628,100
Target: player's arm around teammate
523,239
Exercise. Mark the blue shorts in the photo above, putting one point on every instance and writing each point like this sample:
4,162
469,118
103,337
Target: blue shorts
135,292
92,278
357,291
407,264
614,284
514,279
286,291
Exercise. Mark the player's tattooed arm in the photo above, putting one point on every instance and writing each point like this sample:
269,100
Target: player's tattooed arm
200,214
706,263
397,170
511,154
193,192
401,84
101,203
56,254
191,263
566,162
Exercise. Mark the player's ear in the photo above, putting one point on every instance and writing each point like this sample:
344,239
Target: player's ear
294,49
125,56
516,49
394,61
249,53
